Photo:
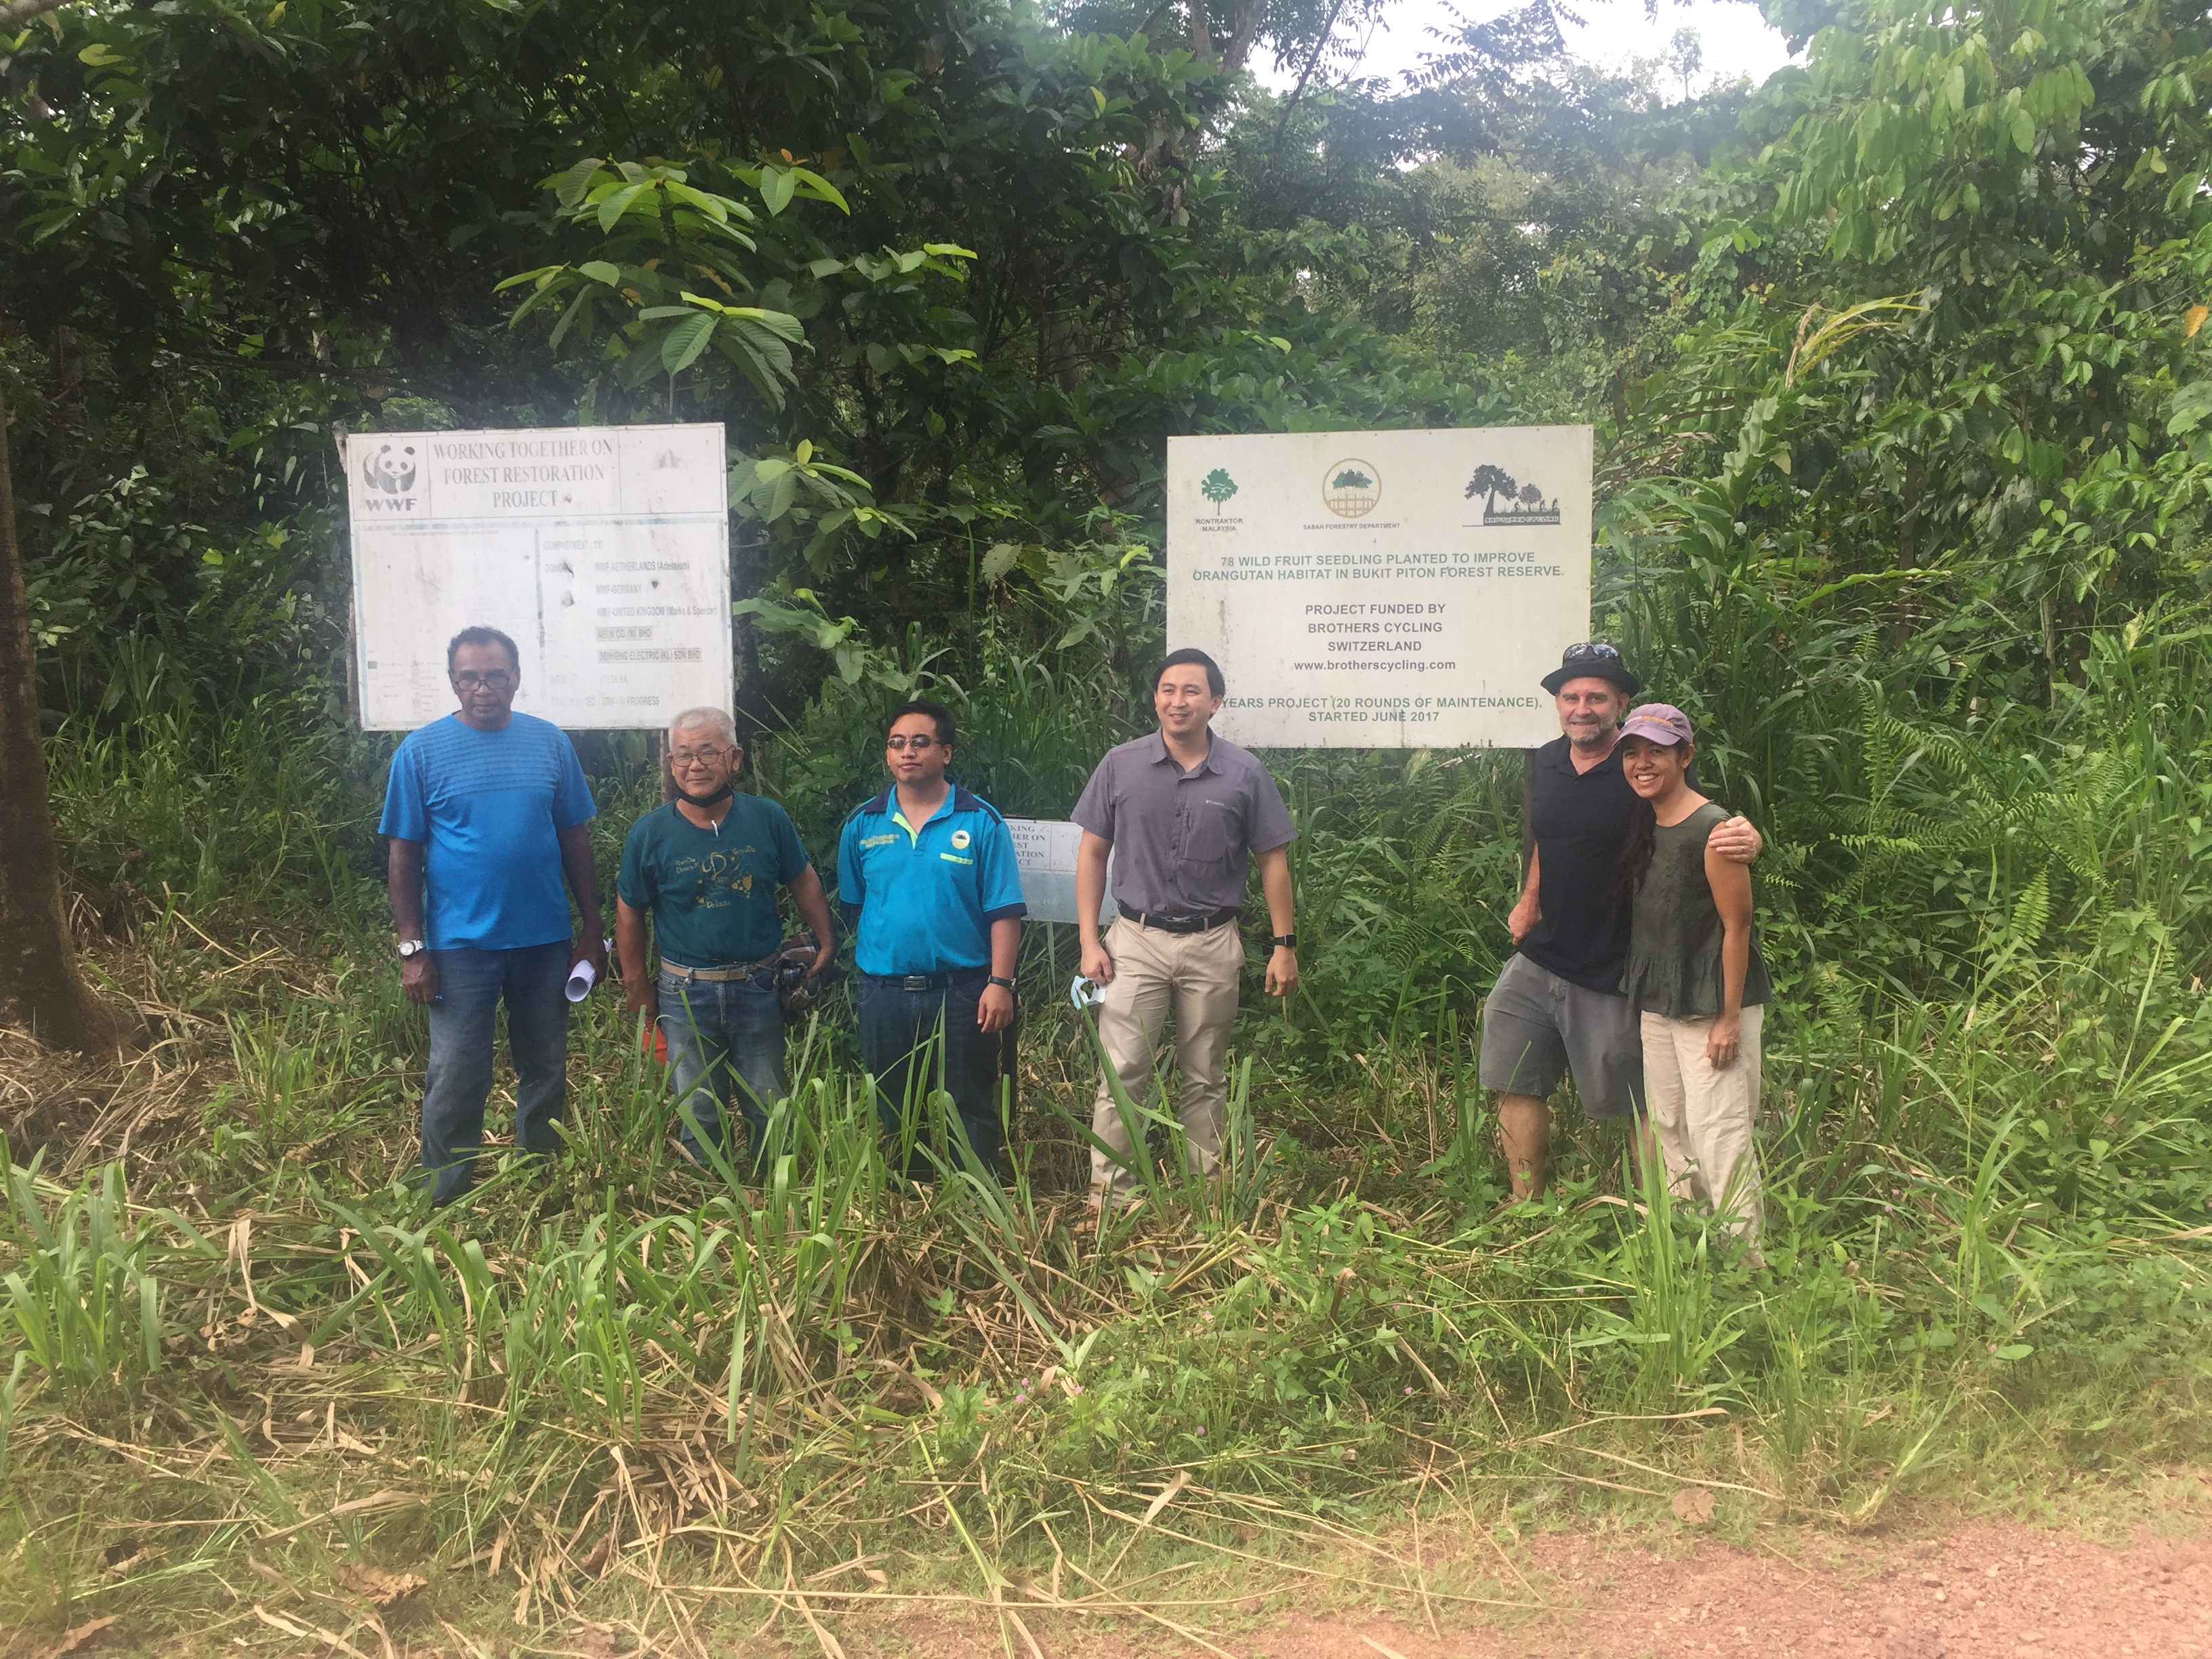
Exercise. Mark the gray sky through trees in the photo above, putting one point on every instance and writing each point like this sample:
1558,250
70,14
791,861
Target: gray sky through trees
1734,38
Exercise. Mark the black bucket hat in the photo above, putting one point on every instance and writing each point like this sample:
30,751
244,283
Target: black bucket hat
1593,660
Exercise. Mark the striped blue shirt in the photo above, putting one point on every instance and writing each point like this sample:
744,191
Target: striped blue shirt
489,805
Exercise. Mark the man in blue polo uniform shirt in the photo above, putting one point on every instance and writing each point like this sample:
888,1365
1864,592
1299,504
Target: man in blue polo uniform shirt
488,812
929,870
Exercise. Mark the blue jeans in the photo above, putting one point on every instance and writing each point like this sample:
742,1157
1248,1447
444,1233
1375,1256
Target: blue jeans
470,985
725,1038
895,1024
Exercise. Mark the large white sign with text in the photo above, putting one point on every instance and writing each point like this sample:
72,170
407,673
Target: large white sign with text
603,551
1382,590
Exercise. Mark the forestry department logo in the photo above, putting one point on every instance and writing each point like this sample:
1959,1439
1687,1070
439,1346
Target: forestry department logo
1507,502
389,468
1352,488
1218,486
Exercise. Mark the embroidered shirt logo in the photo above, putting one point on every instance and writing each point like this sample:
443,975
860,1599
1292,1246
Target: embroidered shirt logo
878,841
960,840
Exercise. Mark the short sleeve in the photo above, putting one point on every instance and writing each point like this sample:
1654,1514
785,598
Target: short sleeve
998,875
1095,810
571,796
852,885
634,884
790,854
406,814
1271,824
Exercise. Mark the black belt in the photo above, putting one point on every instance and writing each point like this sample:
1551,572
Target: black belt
925,981
1205,924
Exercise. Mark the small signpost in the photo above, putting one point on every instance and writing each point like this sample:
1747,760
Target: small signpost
1044,851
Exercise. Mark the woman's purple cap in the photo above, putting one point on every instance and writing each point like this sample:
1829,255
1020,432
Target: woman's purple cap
1661,722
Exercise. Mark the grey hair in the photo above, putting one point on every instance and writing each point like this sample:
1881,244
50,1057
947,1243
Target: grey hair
704,716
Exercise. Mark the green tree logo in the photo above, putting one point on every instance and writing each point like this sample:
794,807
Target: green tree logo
1353,487
1218,486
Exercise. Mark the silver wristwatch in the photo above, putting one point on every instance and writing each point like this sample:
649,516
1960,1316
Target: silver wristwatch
413,947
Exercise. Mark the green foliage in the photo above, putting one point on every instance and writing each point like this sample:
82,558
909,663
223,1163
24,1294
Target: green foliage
82,1307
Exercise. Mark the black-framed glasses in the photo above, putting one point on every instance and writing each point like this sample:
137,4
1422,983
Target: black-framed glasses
681,758
498,680
919,741
1593,648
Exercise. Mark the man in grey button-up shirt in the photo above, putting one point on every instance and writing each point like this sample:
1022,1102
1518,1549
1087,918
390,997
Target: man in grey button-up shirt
1188,812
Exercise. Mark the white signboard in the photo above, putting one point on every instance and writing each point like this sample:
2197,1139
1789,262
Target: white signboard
602,551
1044,852
1382,590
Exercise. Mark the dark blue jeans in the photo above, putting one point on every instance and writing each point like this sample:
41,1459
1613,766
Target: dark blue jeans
725,1038
471,984
896,1025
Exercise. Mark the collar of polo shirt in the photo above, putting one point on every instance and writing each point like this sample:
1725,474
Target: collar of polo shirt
1166,754
959,801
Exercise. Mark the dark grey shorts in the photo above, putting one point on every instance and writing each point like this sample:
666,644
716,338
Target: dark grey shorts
1535,1025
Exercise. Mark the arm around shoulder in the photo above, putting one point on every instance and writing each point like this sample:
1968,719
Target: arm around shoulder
1736,841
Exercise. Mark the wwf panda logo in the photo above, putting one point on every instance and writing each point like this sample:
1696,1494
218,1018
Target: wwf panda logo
389,468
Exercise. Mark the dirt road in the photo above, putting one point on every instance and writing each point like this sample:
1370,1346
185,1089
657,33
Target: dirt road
1988,1589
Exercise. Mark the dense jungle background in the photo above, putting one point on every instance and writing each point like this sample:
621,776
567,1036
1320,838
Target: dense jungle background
1904,416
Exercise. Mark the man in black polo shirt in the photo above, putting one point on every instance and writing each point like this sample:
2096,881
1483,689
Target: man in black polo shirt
1556,1005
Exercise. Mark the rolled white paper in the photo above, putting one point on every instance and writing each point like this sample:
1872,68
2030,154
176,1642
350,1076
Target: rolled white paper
581,981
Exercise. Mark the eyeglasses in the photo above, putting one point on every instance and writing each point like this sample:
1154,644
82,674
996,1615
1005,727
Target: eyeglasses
1593,648
498,680
683,758
918,742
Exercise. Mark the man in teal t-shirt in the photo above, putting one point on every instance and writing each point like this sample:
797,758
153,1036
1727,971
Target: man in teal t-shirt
705,867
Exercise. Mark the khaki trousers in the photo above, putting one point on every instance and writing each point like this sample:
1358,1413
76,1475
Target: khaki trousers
1702,1115
1197,977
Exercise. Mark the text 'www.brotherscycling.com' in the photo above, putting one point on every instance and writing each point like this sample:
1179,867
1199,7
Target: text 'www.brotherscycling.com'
1396,666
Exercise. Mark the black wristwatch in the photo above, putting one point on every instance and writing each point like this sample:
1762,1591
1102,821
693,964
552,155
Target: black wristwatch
997,980
1286,941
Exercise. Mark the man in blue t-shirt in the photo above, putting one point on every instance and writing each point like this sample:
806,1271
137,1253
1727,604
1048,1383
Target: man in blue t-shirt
705,867
929,870
487,811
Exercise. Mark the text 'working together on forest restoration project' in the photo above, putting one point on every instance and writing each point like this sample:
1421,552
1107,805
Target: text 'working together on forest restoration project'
1375,590
604,549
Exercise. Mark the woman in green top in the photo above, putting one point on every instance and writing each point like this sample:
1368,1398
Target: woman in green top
1694,973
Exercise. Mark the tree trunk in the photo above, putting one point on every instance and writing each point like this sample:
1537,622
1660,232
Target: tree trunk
40,990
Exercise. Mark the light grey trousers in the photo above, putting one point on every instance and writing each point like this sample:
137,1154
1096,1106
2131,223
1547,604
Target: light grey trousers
1195,976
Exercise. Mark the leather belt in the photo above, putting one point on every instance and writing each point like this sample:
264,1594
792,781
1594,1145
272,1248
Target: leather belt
1166,924
926,981
716,975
